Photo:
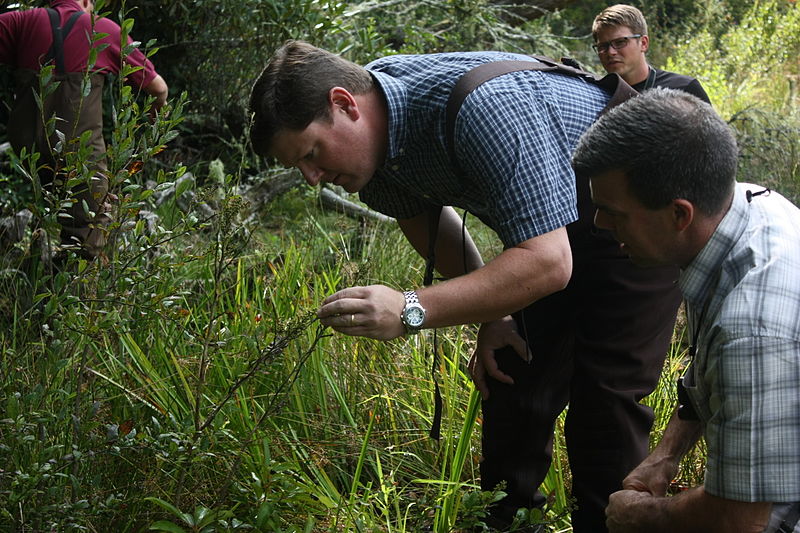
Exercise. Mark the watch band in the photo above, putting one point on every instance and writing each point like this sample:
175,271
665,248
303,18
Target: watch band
411,297
413,314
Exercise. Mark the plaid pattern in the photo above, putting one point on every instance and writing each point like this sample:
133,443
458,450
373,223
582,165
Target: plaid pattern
514,139
744,290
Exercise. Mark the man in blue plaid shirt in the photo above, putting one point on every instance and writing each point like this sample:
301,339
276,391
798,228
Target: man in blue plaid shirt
676,201
599,345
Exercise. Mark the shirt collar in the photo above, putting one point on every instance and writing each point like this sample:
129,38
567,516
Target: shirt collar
694,279
394,92
66,5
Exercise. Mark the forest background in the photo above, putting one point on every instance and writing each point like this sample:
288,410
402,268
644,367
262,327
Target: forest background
182,383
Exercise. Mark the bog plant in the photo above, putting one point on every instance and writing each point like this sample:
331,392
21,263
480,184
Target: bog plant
182,383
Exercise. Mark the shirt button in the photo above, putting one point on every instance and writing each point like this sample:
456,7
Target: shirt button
395,168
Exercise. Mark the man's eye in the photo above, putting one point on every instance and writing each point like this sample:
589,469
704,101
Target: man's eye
619,43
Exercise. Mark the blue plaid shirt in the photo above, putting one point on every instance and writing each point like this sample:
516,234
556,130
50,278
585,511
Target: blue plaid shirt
514,139
743,297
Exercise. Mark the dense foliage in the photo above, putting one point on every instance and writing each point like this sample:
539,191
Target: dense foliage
182,383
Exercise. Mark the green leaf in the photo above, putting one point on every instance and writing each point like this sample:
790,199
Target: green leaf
97,36
127,26
169,136
163,525
182,186
129,48
165,505
203,516
86,87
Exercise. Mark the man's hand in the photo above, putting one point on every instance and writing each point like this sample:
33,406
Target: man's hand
158,89
652,476
493,336
626,511
693,511
630,509
372,312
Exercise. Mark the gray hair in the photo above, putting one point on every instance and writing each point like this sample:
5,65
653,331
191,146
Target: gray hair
670,144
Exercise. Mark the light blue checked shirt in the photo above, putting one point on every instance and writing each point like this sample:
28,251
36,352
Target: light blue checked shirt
743,297
514,140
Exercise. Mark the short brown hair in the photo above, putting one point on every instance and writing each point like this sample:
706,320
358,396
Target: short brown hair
620,15
292,90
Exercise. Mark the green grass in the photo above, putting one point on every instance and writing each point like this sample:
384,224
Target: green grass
196,390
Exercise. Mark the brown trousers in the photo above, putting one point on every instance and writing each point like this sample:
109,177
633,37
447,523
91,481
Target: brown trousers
83,223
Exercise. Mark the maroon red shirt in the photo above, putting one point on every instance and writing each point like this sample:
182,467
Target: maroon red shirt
26,36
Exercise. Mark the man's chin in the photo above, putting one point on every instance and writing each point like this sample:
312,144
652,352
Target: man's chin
351,186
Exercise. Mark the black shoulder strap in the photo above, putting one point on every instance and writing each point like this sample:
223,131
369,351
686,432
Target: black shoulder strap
59,34
434,214
611,83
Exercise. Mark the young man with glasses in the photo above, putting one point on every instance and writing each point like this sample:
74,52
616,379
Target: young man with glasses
621,42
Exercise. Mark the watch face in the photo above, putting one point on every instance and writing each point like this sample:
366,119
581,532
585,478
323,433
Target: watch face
415,316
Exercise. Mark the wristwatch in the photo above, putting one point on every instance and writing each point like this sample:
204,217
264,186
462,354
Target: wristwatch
413,315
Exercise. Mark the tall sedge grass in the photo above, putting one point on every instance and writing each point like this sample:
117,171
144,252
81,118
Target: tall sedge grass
212,396
184,384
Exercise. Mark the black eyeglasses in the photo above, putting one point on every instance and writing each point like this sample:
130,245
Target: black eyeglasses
616,44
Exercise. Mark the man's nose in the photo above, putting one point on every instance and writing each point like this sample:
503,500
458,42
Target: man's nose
311,173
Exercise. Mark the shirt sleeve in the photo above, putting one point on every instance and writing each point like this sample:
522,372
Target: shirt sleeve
9,23
696,89
110,58
513,144
753,434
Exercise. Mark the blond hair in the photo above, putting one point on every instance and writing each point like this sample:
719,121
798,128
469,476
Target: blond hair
620,15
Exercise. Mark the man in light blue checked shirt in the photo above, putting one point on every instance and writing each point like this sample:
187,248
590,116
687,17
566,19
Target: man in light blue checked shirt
675,201
598,345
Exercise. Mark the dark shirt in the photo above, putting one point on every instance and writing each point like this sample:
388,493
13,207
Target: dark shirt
673,80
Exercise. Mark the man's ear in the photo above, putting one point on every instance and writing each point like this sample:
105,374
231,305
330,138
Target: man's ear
645,43
341,100
682,214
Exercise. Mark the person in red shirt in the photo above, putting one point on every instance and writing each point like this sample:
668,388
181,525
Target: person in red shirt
62,36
